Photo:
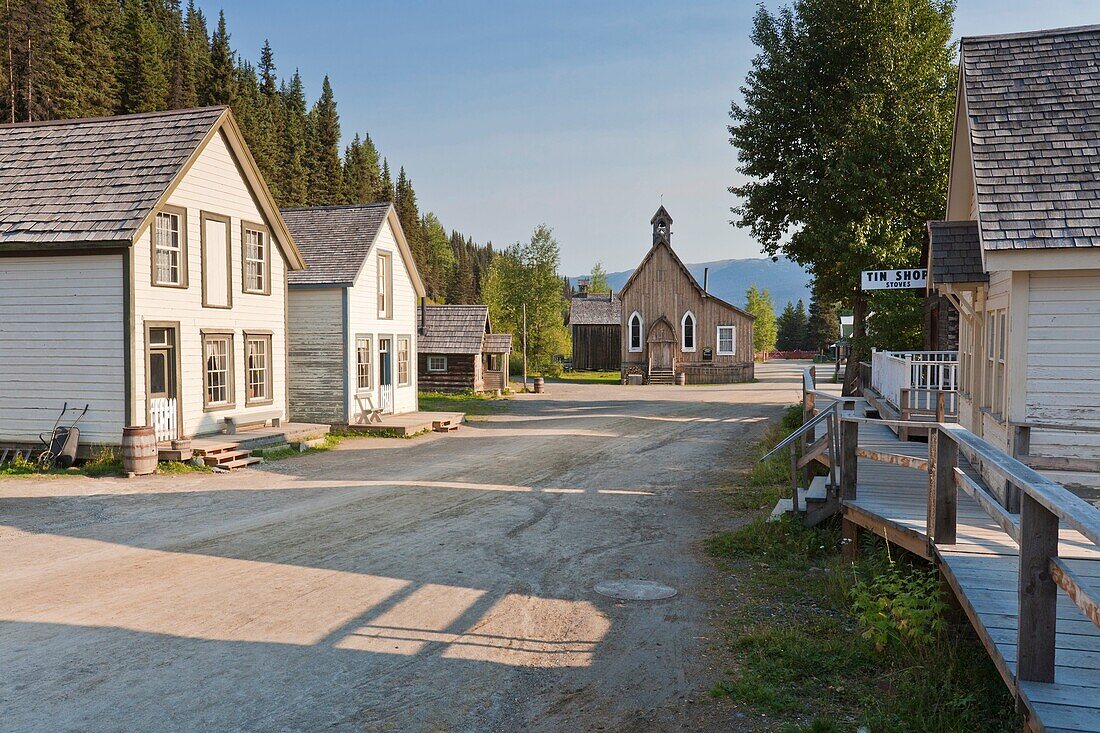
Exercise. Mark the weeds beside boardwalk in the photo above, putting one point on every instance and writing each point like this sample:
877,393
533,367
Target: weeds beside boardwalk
471,403
590,378
821,646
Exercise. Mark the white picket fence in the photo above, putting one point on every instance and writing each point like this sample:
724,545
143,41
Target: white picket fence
920,375
162,411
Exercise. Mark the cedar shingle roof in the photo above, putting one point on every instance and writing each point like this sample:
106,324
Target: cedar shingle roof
93,180
453,329
956,252
1033,103
496,343
334,240
595,309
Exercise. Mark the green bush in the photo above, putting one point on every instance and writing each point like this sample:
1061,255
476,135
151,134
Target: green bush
899,604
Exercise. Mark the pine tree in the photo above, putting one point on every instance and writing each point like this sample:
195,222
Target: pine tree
91,23
787,329
198,42
385,191
823,327
142,71
404,201
293,173
221,86
325,171
181,76
361,178
40,66
267,71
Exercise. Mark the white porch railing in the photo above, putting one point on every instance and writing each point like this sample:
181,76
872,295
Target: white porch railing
162,411
913,380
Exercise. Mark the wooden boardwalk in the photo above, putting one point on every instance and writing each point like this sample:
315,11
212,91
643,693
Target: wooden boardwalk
982,567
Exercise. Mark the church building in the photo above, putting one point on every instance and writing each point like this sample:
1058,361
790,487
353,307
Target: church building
672,326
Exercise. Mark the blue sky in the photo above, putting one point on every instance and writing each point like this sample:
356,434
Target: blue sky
577,114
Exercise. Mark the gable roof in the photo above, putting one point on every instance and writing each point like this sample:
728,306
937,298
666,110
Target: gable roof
956,252
496,343
98,181
335,242
595,309
1033,108
687,273
453,329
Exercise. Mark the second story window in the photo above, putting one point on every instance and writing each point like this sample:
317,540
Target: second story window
169,249
385,286
257,260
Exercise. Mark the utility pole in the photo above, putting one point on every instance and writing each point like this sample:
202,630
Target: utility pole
524,347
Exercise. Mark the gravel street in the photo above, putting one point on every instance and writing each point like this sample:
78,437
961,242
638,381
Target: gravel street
443,583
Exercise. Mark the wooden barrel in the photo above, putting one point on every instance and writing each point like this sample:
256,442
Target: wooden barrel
139,450
681,378
540,385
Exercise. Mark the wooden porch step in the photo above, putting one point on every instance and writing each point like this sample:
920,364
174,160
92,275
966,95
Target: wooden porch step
444,426
211,448
221,458
238,463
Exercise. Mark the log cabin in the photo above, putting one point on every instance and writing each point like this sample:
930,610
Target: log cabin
143,268
672,326
458,351
596,325
1018,254
352,315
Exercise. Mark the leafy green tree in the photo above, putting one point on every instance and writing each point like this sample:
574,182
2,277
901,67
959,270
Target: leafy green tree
597,280
759,304
895,321
844,135
526,275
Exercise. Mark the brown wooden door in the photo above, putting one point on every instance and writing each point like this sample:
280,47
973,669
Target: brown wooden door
660,355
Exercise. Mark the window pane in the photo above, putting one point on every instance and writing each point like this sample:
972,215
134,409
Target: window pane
402,361
166,236
258,369
255,265
362,363
158,373
217,371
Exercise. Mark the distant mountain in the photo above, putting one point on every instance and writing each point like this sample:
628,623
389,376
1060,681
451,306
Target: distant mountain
729,279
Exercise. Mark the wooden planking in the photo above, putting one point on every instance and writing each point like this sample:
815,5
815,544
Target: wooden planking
317,355
597,347
62,340
982,566
463,374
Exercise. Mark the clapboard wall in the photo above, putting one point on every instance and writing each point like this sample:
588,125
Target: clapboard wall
597,347
463,374
316,328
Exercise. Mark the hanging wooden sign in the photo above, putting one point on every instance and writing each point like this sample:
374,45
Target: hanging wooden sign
911,279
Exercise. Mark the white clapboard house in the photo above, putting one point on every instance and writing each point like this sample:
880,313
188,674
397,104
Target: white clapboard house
1019,252
353,315
143,269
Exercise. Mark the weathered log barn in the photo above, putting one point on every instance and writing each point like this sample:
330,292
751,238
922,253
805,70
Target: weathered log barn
1019,252
352,315
673,326
458,352
596,324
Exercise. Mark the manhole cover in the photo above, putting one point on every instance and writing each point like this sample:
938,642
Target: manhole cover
634,590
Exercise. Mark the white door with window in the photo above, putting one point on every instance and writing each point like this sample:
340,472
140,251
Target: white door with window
160,365
385,374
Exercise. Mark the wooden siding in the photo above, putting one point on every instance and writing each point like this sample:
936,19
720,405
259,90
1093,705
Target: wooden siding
597,347
213,184
661,288
1063,383
317,355
62,340
363,314
463,374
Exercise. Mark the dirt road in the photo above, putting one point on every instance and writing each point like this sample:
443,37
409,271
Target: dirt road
439,584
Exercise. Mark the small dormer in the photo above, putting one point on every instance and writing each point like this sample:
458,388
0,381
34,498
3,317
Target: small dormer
662,226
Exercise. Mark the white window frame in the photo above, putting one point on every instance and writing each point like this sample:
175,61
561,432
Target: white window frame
630,333
162,243
694,332
250,371
364,377
434,358
733,340
404,348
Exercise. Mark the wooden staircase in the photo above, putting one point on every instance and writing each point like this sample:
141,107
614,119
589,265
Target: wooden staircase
226,456
815,503
661,376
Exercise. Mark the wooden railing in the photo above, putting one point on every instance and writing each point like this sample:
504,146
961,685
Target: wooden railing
1044,507
920,385
1021,448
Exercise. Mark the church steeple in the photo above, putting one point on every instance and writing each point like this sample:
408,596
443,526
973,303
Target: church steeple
662,226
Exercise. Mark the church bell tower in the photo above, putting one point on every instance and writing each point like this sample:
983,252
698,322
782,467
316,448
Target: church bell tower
662,226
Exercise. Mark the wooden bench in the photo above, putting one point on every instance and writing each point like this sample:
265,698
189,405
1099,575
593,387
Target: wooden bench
234,423
368,413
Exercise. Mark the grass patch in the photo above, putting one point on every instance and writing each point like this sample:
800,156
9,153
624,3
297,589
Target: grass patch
820,646
583,377
471,403
176,468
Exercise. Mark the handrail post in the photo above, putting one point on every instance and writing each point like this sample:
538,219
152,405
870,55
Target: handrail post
1037,591
794,478
941,406
903,399
809,409
1021,448
849,469
943,494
